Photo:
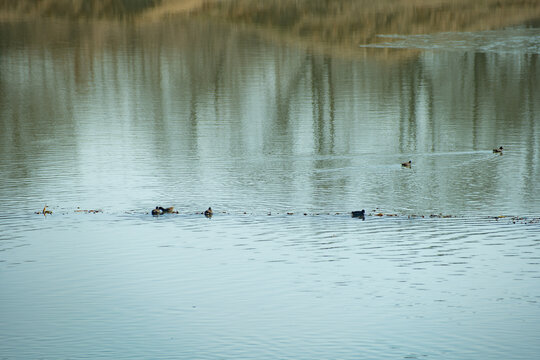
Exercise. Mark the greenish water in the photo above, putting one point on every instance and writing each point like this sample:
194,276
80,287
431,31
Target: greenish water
123,117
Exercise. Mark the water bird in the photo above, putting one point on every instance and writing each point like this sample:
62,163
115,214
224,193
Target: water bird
169,210
407,164
359,214
159,210
208,213
46,212
499,150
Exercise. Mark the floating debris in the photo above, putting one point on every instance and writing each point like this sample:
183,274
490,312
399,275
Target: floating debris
88,211
361,214
440,216
519,219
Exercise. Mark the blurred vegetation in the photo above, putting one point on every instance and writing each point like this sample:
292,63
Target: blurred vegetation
334,23
76,9
359,21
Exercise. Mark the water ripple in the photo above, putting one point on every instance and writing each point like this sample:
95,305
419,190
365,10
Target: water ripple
499,41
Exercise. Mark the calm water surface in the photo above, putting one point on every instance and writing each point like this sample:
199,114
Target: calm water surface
121,117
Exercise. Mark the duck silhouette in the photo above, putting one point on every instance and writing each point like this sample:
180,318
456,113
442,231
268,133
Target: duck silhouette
359,214
498,150
407,164
208,213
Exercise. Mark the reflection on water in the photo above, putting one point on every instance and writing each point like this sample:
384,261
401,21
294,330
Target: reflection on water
124,116
339,25
504,41
130,118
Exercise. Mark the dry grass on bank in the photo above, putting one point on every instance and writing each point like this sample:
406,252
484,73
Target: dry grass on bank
336,24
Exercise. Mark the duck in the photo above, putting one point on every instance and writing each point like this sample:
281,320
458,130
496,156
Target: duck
159,210
46,212
359,214
169,210
499,150
407,164
208,213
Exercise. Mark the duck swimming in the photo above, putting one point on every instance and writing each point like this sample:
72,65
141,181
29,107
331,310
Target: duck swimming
159,210
208,213
46,212
359,214
407,164
499,150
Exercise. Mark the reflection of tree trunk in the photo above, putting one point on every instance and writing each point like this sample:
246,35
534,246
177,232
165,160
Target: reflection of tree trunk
409,96
324,133
430,108
479,82
282,111
193,101
332,102
218,76
413,99
317,100
532,100
285,96
475,114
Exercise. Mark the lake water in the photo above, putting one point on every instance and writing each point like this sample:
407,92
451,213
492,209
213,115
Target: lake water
283,141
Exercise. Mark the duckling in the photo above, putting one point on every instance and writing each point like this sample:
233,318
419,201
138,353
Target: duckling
499,150
208,213
157,211
46,212
359,214
407,164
